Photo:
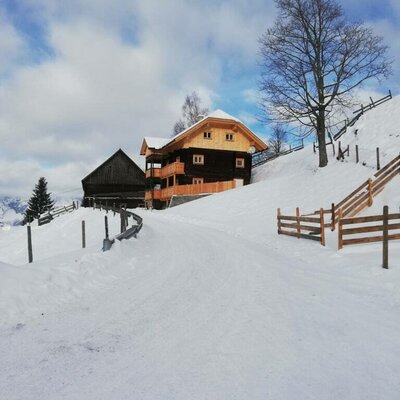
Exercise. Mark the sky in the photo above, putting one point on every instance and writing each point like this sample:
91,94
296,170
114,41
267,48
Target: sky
80,79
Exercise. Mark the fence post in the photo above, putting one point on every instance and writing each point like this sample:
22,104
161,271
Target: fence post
385,263
370,200
83,235
121,213
340,227
333,217
298,222
322,224
314,147
106,225
107,243
357,155
30,253
378,164
278,217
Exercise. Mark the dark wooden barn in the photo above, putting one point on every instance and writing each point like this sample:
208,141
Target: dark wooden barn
117,181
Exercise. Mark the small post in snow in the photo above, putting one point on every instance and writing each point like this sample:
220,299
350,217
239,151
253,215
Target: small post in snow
298,222
370,198
106,225
83,235
385,257
30,253
278,216
357,155
340,227
378,164
333,217
107,243
121,213
322,223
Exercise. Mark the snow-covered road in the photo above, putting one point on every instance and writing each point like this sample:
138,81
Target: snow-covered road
198,313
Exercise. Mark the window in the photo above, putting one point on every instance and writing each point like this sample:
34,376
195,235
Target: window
240,163
207,135
198,159
197,181
229,136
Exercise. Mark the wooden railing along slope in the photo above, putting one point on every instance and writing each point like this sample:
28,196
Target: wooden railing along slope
362,197
50,215
264,156
126,233
357,230
349,207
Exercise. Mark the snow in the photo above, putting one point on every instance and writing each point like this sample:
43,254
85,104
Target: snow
209,302
156,142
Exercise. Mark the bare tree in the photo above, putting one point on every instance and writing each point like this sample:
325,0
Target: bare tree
312,59
277,139
192,110
179,127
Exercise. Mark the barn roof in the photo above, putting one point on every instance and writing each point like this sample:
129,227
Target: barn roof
118,152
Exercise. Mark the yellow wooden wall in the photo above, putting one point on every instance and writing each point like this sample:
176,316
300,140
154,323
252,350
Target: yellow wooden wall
218,142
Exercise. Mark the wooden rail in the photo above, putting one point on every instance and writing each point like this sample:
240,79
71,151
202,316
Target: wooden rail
50,215
362,226
311,228
265,156
126,233
358,113
363,195
201,188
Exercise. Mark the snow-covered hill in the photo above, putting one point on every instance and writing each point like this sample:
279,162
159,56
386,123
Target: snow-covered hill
209,302
11,211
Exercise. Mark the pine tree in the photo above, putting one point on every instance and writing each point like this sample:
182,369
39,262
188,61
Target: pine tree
40,201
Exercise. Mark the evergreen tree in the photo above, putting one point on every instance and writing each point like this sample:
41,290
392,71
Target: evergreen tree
40,201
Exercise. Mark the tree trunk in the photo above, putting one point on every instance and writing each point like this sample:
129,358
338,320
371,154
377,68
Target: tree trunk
323,156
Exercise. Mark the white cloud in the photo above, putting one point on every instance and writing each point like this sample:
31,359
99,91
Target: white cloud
12,46
120,72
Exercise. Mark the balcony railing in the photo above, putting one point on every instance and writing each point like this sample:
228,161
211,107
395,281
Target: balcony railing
176,168
201,188
155,194
156,173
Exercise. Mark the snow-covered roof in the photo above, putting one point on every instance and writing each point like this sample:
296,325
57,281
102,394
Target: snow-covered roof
158,143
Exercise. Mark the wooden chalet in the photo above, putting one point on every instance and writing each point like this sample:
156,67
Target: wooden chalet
117,181
211,156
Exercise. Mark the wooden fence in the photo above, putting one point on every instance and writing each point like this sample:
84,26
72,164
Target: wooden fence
363,195
265,156
358,113
304,227
126,233
50,215
370,229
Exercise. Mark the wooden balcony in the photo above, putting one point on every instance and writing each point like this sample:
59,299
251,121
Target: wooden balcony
176,168
156,173
155,196
202,188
